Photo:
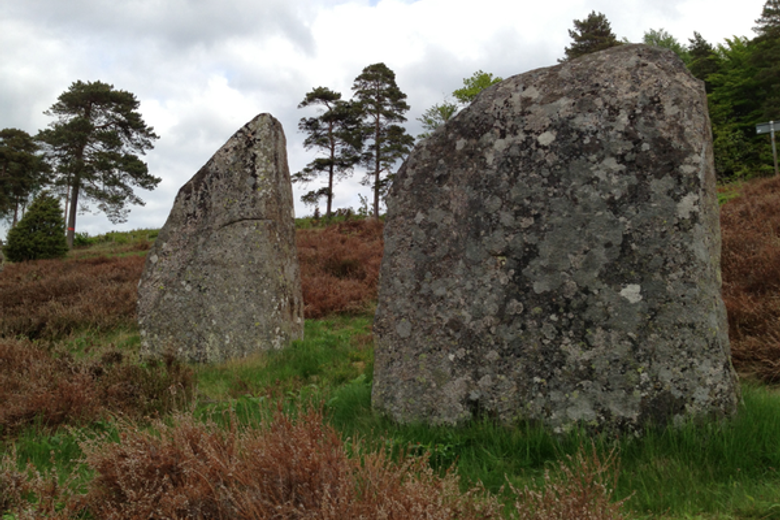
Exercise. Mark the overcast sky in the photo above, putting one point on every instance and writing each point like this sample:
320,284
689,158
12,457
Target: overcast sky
203,68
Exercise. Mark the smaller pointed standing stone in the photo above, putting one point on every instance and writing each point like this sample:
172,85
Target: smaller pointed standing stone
222,279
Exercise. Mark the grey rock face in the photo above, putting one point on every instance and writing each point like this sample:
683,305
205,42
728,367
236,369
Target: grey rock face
553,253
222,279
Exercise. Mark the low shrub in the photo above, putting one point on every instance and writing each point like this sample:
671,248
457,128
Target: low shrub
750,226
340,266
293,466
50,299
48,389
289,469
37,388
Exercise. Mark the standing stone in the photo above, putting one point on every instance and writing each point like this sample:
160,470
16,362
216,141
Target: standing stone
222,279
553,254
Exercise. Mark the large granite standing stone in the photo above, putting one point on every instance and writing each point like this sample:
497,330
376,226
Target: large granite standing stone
553,254
222,279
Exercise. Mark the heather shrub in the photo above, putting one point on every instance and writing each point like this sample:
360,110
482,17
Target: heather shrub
288,469
340,266
51,497
45,388
750,227
37,388
40,234
156,386
50,299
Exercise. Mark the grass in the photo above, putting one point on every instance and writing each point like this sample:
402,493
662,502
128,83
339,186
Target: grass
336,351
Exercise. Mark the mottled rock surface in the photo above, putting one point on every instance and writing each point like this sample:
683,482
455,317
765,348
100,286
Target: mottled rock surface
222,279
553,253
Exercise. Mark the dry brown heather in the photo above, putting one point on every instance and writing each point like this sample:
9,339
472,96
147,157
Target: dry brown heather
48,388
293,469
49,299
340,267
290,469
751,277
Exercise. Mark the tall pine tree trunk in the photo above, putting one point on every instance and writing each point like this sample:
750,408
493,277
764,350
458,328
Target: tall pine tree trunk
377,164
67,200
330,191
376,190
72,217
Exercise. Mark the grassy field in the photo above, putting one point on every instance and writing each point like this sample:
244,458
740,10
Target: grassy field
90,429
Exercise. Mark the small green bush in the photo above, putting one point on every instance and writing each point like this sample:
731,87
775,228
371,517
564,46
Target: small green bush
84,240
40,234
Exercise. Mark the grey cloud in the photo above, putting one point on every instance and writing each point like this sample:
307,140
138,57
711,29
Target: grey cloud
177,23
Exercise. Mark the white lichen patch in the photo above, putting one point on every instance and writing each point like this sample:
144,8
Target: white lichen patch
688,205
632,293
404,329
546,138
531,92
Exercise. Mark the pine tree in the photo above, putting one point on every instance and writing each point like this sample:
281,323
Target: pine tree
704,60
94,142
22,171
382,106
40,234
735,108
769,22
765,58
336,133
592,34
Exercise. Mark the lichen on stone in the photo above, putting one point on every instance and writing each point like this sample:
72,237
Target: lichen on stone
222,279
554,250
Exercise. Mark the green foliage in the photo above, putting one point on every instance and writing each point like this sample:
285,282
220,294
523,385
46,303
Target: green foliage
382,105
735,108
436,116
473,85
592,34
742,78
704,61
22,171
40,234
661,38
769,22
335,133
765,58
95,143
